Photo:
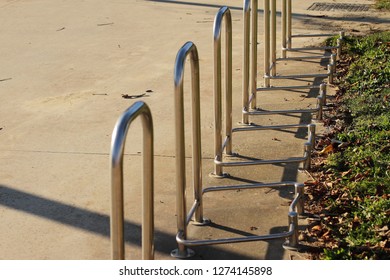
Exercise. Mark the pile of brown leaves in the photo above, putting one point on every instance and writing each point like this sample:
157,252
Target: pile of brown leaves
321,233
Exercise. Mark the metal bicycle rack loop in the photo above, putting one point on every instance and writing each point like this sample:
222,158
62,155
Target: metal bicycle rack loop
250,70
250,65
138,109
287,36
250,42
270,59
196,212
226,146
250,58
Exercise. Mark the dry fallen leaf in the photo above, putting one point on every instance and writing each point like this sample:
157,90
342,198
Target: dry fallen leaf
310,183
317,227
303,236
327,150
346,173
128,96
326,235
329,184
382,244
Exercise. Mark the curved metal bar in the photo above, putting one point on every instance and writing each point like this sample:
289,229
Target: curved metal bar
116,164
188,50
321,101
292,233
292,243
308,146
223,13
297,204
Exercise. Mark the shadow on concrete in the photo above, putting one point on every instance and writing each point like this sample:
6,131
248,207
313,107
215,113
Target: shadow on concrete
90,221
278,243
275,249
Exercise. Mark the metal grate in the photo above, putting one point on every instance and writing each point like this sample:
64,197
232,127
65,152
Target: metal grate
339,7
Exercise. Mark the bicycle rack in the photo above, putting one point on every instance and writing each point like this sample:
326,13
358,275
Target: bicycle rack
196,211
250,69
220,147
287,37
270,46
116,165
250,66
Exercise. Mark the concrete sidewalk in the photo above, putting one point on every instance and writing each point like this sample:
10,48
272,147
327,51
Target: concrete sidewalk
64,68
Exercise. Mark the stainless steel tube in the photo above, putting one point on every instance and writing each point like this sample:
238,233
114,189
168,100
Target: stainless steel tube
340,44
333,62
116,166
249,186
330,74
312,48
307,156
284,28
224,12
323,91
266,44
289,24
312,35
304,57
246,61
298,76
299,192
263,162
270,127
322,101
262,112
188,49
309,146
253,85
181,240
293,239
312,135
288,87
273,37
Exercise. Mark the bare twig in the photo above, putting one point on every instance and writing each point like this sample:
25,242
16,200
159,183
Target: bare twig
103,24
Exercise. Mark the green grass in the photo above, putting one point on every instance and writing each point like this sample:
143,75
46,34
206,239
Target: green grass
361,172
383,4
